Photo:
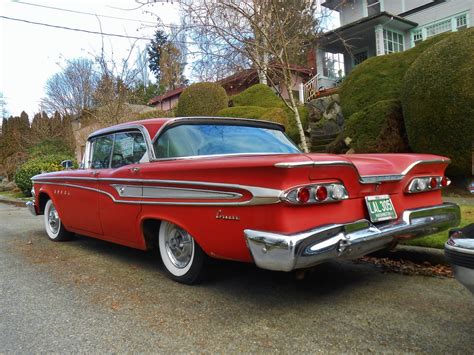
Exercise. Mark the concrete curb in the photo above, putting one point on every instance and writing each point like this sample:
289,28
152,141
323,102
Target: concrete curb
18,203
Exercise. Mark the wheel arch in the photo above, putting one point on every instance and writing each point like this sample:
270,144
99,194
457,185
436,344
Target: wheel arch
150,227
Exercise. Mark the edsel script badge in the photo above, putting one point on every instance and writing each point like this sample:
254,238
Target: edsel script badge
219,215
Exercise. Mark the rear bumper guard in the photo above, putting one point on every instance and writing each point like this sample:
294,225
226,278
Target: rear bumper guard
283,252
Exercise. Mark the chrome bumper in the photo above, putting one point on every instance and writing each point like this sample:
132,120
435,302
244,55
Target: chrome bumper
32,207
459,253
283,252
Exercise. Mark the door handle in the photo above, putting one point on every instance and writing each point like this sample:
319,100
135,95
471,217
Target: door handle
134,170
94,173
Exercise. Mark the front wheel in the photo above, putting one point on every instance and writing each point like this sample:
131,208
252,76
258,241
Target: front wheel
52,223
182,257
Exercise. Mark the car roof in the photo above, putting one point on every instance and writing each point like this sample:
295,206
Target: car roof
153,125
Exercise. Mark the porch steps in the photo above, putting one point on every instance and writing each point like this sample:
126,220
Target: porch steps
321,139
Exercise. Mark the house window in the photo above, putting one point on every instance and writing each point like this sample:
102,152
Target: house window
417,36
392,41
461,22
373,7
437,28
360,57
333,65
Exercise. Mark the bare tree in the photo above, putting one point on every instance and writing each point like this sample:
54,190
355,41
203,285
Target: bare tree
263,34
71,91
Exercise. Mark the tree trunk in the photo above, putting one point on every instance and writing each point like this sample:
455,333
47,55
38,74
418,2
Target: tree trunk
294,108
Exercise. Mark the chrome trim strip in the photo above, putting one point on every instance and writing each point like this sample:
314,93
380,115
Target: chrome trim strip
300,164
159,192
260,196
283,252
364,179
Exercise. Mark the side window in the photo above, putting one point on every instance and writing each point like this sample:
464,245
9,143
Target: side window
101,149
129,148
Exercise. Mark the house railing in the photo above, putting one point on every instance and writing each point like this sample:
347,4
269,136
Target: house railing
310,88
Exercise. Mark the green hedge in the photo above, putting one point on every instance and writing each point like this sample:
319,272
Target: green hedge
37,166
438,101
258,95
380,78
377,128
202,99
260,102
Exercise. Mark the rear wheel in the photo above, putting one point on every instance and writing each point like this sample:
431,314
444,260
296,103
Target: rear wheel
182,257
52,223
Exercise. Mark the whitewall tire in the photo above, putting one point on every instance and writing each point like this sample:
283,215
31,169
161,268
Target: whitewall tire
52,224
182,257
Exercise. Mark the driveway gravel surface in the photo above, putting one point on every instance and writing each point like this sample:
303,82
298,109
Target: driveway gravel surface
87,295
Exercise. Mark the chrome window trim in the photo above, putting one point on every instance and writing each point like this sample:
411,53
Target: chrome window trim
364,179
210,120
124,129
113,132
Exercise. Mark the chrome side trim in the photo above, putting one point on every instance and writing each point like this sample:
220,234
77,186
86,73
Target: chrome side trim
363,179
282,252
260,196
309,163
173,193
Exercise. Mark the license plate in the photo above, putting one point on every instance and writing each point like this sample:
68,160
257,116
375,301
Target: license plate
380,208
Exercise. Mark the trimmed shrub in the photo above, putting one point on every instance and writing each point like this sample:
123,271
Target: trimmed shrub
380,78
377,129
258,95
202,99
254,112
154,114
438,100
37,166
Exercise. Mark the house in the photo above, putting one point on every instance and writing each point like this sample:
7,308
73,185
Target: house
168,100
376,27
238,82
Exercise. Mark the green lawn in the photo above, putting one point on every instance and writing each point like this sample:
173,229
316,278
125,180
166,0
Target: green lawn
12,195
437,240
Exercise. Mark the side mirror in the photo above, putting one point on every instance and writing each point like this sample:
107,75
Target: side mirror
66,164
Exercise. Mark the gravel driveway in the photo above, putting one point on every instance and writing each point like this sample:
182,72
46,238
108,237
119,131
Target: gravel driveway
88,296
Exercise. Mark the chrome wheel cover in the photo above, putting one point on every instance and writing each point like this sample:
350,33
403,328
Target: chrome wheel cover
54,223
179,246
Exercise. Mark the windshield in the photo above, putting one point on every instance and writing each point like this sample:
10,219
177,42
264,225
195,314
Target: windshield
214,139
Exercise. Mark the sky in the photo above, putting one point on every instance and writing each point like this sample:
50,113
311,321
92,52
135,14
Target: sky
30,54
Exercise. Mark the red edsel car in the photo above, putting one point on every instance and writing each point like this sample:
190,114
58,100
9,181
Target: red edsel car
239,189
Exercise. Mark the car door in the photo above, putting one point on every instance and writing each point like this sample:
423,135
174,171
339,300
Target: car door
121,180
78,200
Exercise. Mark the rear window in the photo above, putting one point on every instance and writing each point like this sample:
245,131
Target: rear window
213,139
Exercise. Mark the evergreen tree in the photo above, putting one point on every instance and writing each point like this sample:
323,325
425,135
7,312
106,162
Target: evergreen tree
154,50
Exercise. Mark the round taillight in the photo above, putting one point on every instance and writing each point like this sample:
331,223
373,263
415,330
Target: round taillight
321,193
444,181
303,195
433,183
